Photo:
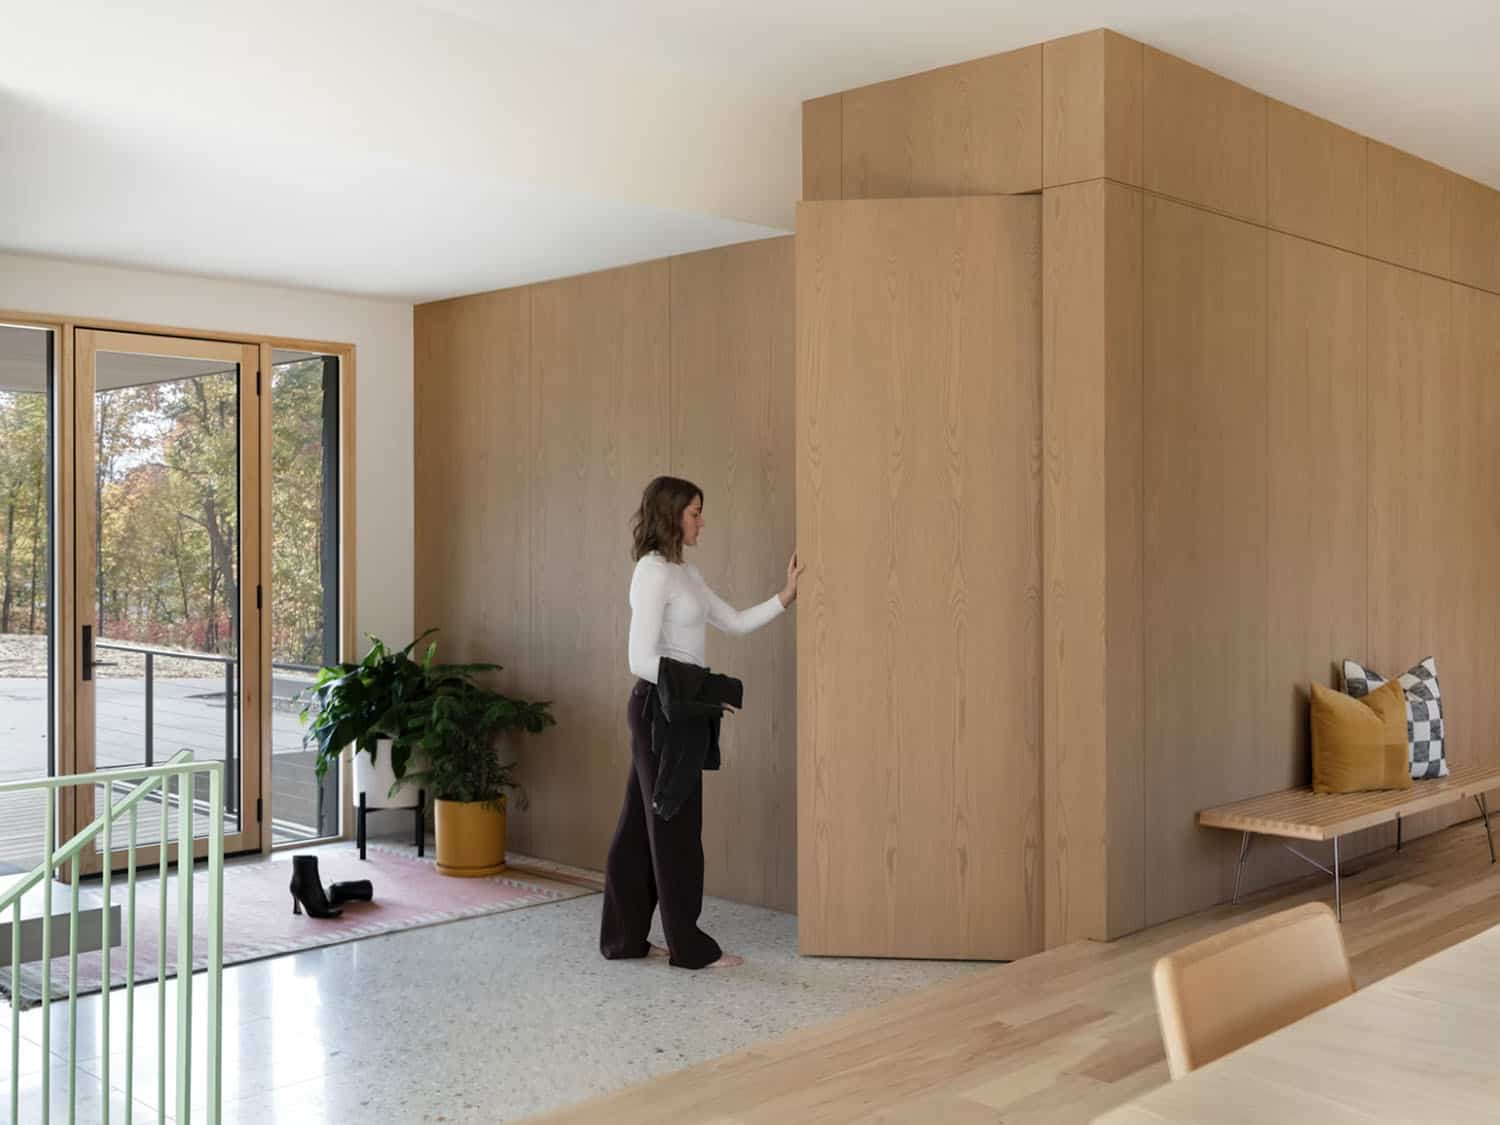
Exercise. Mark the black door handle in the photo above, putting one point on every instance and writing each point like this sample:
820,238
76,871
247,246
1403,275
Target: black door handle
88,652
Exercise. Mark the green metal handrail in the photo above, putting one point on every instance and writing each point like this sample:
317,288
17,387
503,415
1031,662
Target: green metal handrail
153,779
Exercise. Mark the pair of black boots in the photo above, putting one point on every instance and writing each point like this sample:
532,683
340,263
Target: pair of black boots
307,890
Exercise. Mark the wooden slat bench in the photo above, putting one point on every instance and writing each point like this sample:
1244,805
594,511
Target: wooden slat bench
1301,814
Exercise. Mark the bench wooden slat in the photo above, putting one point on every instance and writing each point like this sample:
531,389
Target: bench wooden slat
1302,814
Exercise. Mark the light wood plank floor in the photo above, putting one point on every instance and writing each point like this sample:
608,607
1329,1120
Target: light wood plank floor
1059,1037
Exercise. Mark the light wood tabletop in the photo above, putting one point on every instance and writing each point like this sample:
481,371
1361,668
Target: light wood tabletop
1417,1046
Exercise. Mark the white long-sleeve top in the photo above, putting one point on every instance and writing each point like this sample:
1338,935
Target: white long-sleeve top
670,607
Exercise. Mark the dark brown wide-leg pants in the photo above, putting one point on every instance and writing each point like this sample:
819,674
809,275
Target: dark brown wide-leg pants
654,862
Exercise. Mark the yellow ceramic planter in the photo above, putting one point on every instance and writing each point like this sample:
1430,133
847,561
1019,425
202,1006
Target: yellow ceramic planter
470,837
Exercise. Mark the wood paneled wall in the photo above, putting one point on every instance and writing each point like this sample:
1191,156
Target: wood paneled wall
733,383
1270,377
919,641
970,129
540,413
1316,460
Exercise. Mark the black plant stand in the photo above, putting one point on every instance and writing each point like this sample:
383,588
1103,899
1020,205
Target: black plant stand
418,812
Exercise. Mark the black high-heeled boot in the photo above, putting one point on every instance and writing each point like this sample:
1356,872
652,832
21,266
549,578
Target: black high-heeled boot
356,890
307,890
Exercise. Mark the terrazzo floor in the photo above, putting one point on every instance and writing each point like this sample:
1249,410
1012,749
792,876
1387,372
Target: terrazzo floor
484,1020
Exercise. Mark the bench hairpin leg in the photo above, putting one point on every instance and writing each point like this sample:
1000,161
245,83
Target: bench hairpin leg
1239,868
1338,892
1484,811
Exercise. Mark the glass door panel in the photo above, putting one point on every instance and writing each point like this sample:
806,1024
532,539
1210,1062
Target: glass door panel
304,601
28,686
167,459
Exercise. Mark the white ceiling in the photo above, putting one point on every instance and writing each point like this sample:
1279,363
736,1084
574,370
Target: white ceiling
425,148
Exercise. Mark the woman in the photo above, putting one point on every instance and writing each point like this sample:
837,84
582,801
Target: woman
653,861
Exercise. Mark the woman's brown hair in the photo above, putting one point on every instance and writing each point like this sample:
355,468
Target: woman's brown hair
658,522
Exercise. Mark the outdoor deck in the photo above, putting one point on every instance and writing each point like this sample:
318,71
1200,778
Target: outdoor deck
188,714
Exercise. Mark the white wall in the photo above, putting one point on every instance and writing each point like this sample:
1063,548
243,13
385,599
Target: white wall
381,331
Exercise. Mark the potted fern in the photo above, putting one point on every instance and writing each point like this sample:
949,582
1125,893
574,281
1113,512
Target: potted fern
455,722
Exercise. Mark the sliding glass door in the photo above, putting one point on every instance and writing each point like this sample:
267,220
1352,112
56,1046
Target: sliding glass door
166,578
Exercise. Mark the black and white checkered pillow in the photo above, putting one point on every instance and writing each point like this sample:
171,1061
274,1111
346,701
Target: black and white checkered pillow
1424,712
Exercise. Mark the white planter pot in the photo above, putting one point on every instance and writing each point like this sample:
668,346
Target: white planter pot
374,780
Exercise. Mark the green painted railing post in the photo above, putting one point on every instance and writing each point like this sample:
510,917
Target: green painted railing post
130,978
215,945
163,851
184,947
104,936
50,832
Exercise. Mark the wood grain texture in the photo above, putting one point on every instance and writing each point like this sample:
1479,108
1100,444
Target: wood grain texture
1409,322
919,632
1410,486
598,418
733,380
823,147
1301,814
1057,1038
1205,540
970,129
1476,359
1402,1050
1094,823
472,452
1091,108
1317,449
1476,234
1125,625
1205,138
1315,174
1408,210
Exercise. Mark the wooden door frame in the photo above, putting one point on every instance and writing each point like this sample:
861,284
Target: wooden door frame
66,628
251,732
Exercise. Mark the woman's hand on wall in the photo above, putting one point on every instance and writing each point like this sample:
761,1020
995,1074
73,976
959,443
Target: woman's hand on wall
793,571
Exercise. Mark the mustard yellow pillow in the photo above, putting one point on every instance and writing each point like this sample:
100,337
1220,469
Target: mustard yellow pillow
1359,744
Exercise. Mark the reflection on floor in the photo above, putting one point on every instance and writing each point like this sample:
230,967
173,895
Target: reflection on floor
484,1020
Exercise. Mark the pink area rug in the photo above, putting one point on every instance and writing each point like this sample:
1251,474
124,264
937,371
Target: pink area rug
258,918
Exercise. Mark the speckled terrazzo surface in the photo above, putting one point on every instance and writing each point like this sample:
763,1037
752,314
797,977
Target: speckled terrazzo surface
494,1018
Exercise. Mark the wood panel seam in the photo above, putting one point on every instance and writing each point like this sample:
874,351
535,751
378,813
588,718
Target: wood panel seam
1280,230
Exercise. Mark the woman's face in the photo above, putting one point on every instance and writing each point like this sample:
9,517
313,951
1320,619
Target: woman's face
692,522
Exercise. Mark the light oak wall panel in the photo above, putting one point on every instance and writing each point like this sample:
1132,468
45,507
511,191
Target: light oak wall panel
1315,178
1124,320
733,377
1317,454
1205,541
1408,210
599,424
1476,361
1409,482
1205,138
823,147
472,452
919,633
1092,415
1408,355
1476,234
970,129
1091,108
1461,450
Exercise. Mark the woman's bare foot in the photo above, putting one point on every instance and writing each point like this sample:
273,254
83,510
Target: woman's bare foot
728,961
656,951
